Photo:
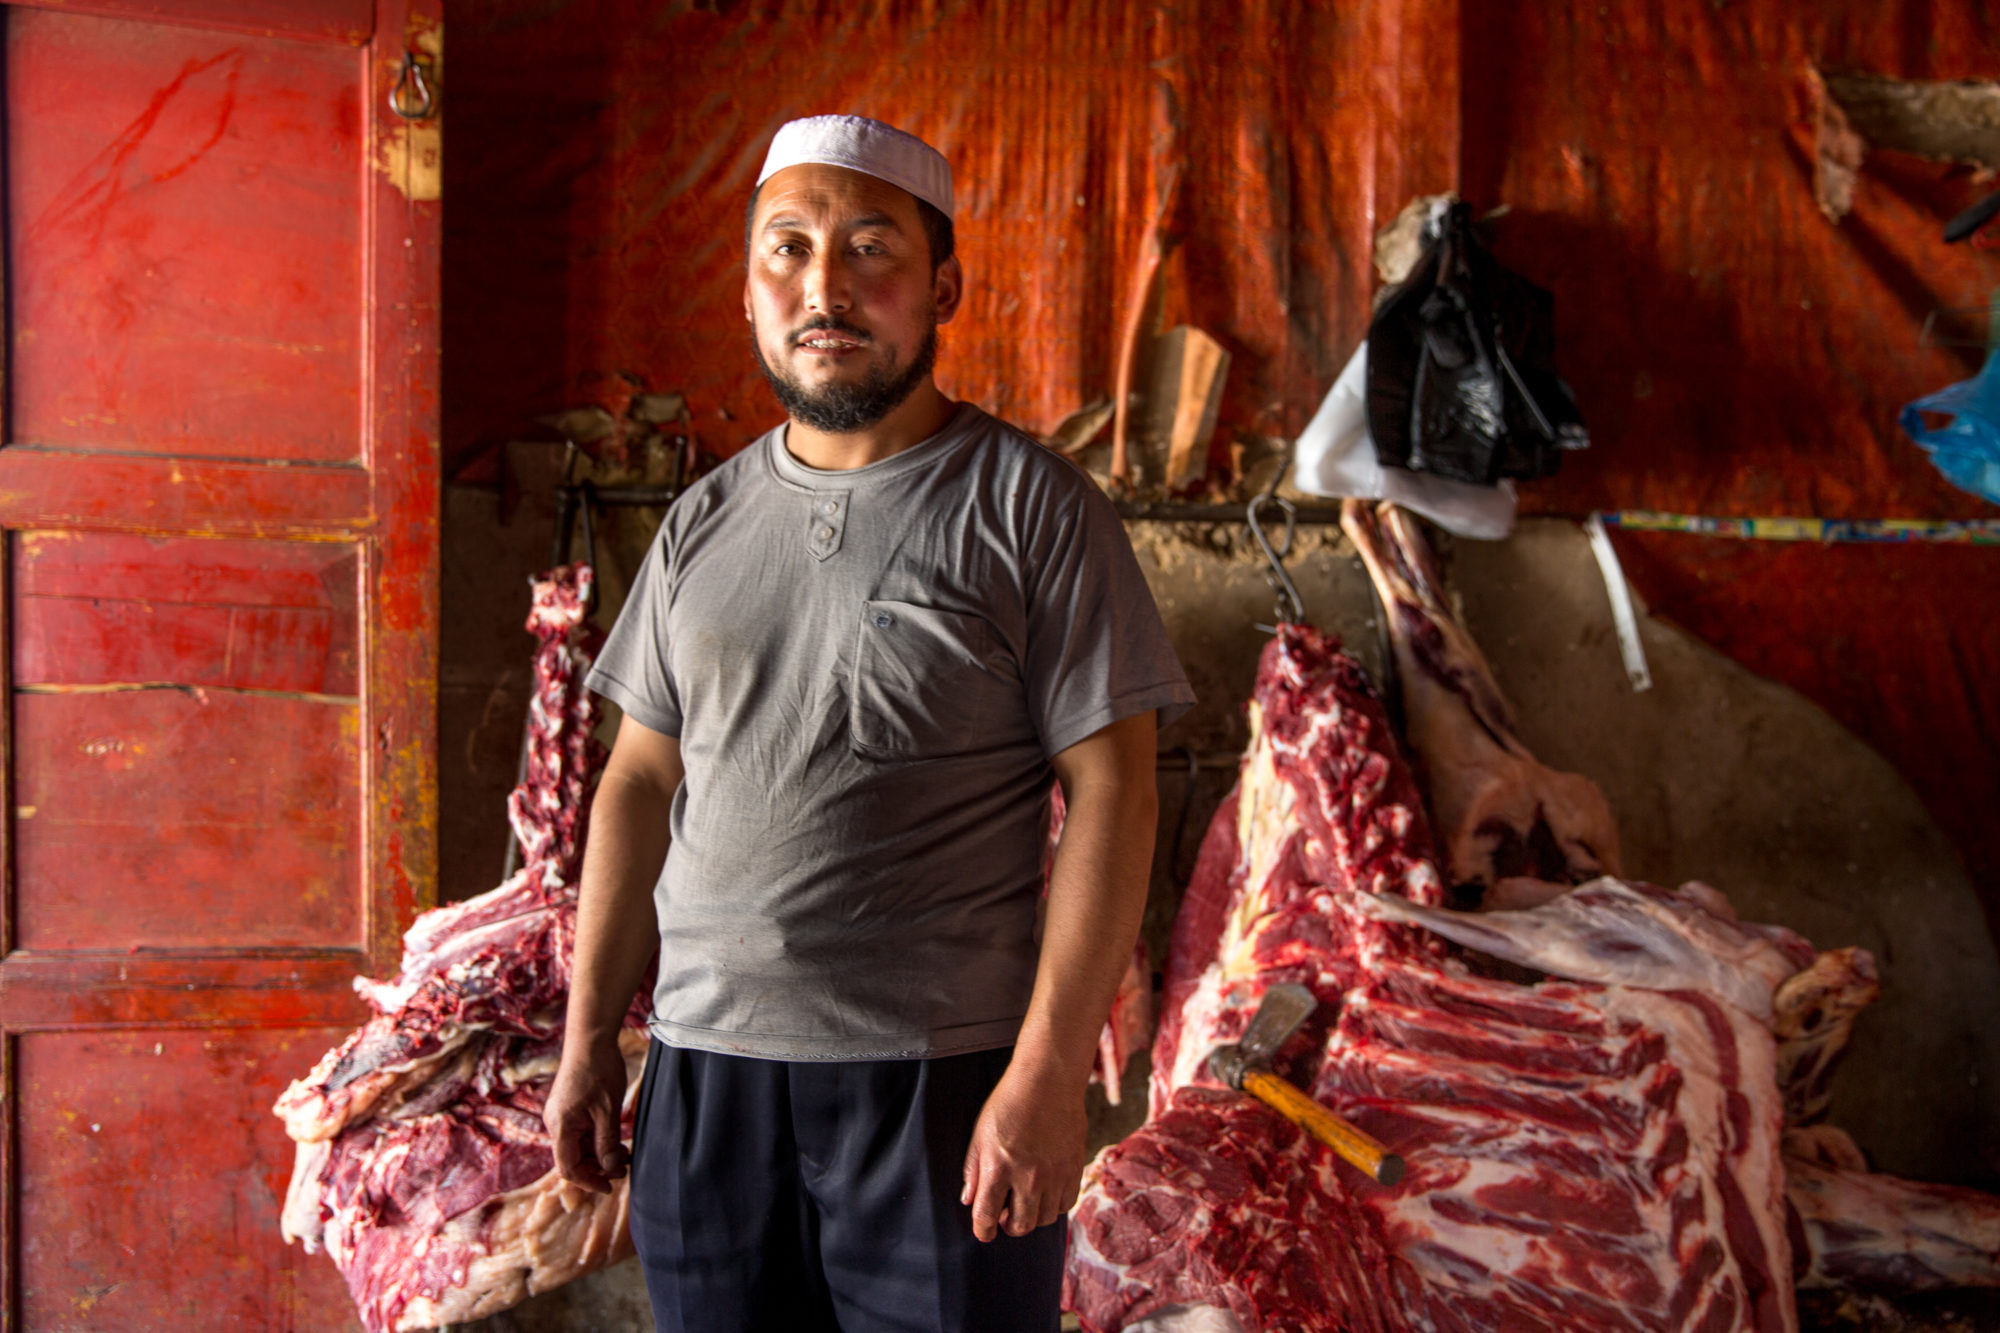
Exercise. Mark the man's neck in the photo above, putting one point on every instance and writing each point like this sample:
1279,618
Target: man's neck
915,419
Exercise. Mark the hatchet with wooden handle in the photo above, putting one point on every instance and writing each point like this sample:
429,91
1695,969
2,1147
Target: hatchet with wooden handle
1245,1066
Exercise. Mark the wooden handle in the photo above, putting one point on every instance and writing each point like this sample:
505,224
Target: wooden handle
1367,1156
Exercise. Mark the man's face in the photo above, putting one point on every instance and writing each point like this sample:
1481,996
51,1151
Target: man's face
841,297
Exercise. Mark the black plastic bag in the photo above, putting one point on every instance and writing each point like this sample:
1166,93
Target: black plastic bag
1461,368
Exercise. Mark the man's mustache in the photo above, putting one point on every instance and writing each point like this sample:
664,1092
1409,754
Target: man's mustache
828,324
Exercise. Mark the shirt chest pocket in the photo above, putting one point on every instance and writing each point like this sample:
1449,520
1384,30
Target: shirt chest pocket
930,683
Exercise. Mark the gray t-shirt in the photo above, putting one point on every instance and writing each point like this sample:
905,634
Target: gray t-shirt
868,670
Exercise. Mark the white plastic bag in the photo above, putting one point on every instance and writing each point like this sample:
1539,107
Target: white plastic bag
1336,457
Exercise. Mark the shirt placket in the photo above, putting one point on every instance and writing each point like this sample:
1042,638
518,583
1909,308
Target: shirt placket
827,523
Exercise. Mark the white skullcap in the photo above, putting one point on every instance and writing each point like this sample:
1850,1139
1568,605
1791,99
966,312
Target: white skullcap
867,146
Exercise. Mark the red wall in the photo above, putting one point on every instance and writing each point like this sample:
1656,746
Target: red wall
1734,352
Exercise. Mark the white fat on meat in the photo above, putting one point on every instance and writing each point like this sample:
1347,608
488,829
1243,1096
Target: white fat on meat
1609,932
1868,1231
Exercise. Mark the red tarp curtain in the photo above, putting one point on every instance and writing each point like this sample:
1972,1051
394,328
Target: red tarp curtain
1734,351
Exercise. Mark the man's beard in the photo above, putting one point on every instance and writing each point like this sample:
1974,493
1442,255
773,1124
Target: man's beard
842,409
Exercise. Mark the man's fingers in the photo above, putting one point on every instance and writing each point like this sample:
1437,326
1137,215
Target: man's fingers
989,1204
1051,1209
610,1151
1021,1212
575,1162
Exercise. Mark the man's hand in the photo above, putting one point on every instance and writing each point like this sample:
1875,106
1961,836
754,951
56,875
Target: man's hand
615,937
582,1115
1025,1164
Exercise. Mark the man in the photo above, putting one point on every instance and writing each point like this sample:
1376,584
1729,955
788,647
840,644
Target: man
850,666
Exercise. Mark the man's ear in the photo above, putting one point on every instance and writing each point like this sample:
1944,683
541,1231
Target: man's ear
947,289
748,318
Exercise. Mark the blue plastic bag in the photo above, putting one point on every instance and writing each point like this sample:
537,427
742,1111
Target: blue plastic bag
1967,448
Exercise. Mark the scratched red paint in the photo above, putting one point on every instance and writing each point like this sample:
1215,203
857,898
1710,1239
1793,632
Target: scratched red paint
46,488
148,313
172,819
151,1169
208,495
114,608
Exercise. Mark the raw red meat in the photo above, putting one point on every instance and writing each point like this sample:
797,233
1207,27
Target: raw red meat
1579,1155
1500,813
1590,1099
423,1167
1871,1232
1813,1019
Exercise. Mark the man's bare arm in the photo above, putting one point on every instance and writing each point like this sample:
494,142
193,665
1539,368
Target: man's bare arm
616,933
1026,1158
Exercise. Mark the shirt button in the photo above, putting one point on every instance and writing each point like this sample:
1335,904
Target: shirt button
883,620
826,534
830,508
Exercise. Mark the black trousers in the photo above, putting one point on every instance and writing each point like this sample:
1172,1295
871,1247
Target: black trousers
768,1194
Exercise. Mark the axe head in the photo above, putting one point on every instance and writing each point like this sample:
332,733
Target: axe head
1278,1016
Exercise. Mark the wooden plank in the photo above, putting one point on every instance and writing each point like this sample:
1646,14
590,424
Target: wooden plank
99,642
146,316
151,1172
193,570
208,861
402,573
8,753
126,989
186,818
60,488
10,1194
349,22
115,608
1183,395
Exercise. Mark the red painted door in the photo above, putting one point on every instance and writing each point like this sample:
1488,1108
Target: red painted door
218,490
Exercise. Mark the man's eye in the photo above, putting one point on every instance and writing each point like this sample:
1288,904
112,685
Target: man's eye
788,248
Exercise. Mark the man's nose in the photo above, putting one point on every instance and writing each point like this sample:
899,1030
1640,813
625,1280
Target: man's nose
826,284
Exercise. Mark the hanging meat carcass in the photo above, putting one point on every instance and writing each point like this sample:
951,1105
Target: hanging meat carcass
1596,1141
1578,1155
423,1167
1501,814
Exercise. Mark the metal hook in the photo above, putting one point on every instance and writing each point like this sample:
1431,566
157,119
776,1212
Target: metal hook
1291,607
565,506
411,77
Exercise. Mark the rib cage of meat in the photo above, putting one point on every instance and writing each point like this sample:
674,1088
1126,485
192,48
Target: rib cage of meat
1598,1151
1579,1155
423,1167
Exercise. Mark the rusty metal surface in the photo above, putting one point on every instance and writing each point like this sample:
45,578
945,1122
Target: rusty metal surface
219,491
